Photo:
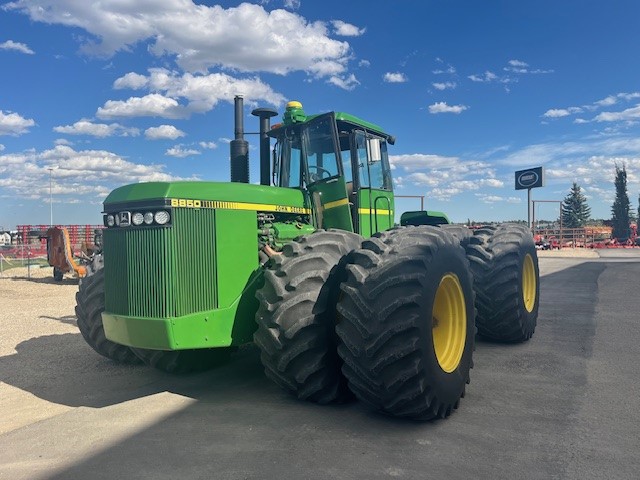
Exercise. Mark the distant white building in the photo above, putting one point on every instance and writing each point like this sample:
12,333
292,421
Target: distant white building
5,239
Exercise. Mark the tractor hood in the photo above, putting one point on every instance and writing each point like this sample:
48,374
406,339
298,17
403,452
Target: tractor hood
258,197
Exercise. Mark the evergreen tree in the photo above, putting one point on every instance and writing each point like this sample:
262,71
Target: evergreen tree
620,209
575,211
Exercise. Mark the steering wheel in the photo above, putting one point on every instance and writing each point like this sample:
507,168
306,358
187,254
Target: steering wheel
320,173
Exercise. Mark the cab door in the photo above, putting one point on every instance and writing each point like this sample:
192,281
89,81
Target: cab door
375,206
324,175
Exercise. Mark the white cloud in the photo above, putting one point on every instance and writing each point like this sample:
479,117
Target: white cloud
246,38
626,115
62,141
588,162
520,67
442,107
208,145
292,4
449,70
517,66
443,176
518,63
629,96
101,130
163,132
421,161
394,77
607,102
364,63
444,85
443,194
556,113
348,83
153,105
131,80
78,176
346,29
179,151
629,114
201,93
14,124
1,147
18,47
562,112
485,198
484,78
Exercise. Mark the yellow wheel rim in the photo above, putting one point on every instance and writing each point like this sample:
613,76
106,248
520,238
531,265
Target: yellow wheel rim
449,323
529,283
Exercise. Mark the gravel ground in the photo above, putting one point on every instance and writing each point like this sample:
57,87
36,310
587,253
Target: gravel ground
564,405
30,308
34,306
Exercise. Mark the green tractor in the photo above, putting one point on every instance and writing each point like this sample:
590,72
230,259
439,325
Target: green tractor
311,267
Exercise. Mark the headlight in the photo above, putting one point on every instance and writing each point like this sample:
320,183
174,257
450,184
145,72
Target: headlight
110,221
161,217
148,218
137,218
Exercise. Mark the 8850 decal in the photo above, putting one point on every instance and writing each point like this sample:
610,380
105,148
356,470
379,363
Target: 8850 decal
186,203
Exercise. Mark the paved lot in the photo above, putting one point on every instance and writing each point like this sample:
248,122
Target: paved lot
564,405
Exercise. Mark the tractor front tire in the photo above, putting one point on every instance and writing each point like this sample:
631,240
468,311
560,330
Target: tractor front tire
184,361
89,307
504,263
297,316
407,322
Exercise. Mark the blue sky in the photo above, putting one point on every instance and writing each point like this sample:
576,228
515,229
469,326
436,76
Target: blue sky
121,91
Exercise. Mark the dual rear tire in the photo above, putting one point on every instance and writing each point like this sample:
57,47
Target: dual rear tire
405,317
504,263
407,323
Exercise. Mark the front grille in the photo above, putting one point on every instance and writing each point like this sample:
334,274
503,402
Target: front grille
162,272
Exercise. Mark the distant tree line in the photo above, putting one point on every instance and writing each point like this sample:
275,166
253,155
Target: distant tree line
576,212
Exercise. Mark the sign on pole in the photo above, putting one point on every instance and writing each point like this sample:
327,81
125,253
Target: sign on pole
529,178
526,180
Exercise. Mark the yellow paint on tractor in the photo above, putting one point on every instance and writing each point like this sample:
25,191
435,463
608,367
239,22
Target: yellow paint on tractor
449,323
529,292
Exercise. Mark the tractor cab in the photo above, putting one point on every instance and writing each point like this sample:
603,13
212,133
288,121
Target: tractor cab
341,164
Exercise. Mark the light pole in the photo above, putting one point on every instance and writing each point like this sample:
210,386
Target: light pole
50,197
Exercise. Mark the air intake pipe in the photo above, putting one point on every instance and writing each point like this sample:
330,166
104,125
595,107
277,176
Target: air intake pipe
239,147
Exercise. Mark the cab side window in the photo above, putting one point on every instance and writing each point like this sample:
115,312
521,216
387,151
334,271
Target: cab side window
372,162
290,154
379,171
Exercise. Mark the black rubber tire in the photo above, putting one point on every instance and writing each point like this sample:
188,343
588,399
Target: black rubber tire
89,306
386,328
58,274
184,361
297,316
497,256
462,233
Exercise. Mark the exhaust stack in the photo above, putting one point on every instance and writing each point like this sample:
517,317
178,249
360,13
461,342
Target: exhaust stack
264,114
239,147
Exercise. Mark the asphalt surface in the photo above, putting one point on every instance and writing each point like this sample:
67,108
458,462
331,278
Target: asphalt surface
565,405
